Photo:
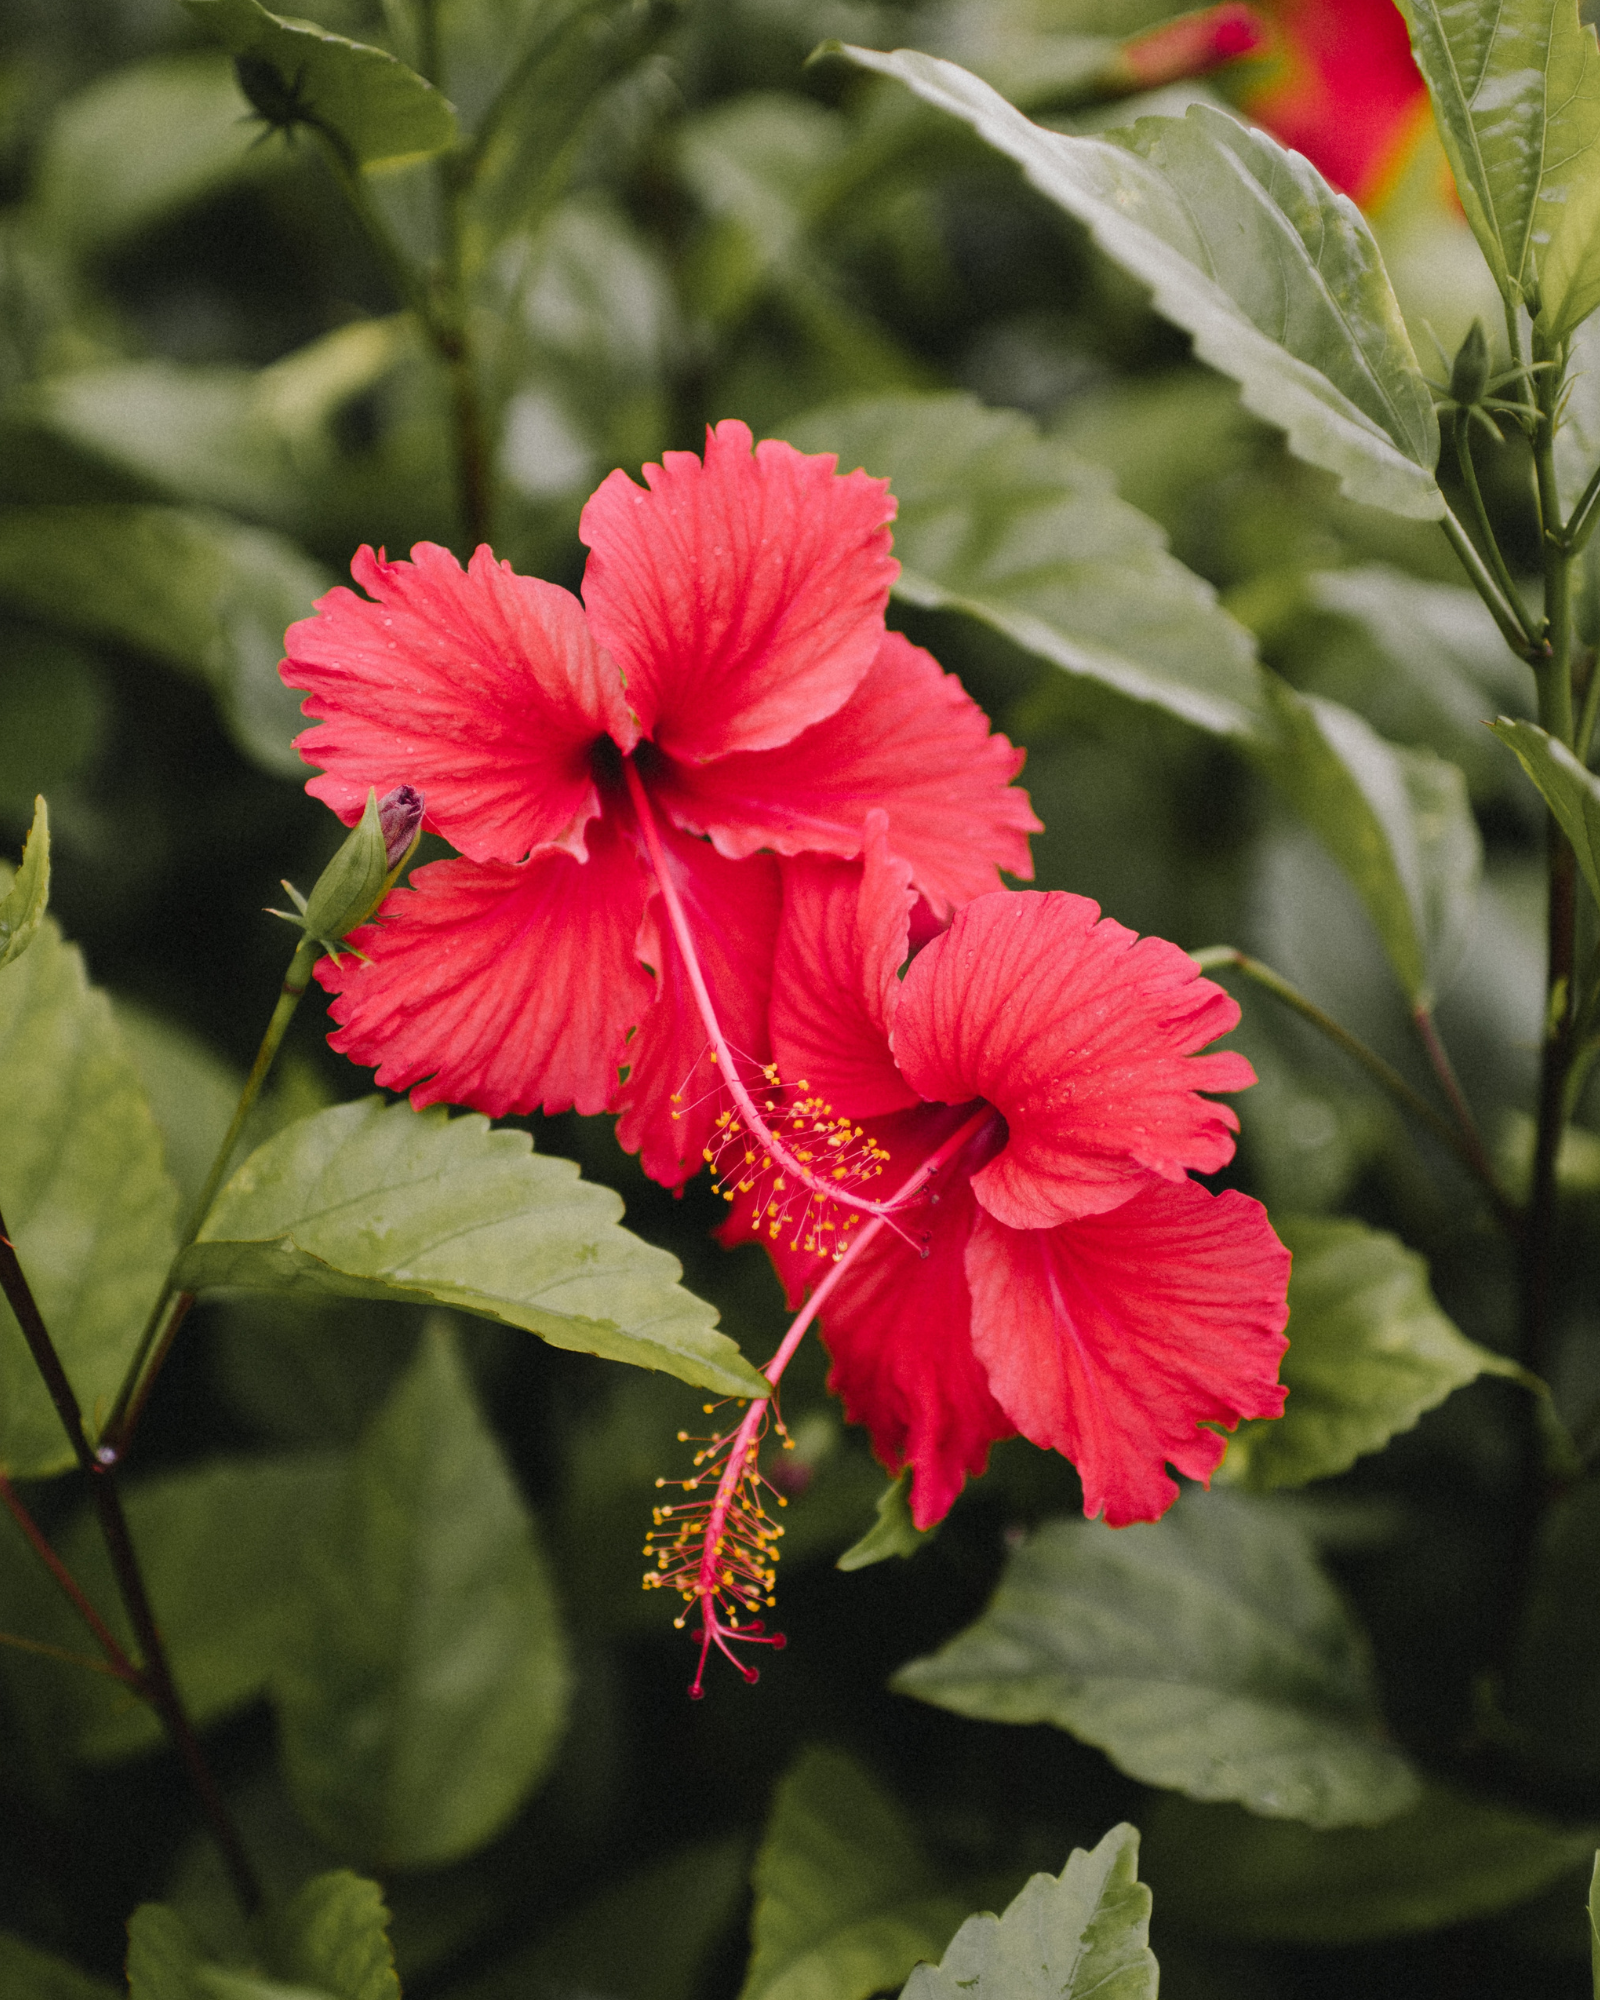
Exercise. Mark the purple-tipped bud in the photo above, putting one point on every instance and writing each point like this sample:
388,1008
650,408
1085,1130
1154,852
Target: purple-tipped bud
400,815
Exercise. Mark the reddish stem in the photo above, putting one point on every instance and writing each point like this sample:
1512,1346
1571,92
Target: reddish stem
117,1660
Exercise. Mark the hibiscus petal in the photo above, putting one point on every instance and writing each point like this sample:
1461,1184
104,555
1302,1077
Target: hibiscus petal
501,987
483,689
898,1328
835,982
911,740
1113,1339
1082,1035
742,598
732,909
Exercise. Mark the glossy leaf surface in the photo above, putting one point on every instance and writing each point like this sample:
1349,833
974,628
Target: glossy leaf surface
1516,92
426,1688
1206,1652
846,1902
1245,246
1018,531
369,1201
1082,1935
1369,1351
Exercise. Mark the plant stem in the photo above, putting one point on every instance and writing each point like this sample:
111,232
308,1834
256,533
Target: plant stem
1508,616
1480,513
117,1661
158,1684
1439,1057
454,345
1471,1156
167,1313
1554,676
1584,515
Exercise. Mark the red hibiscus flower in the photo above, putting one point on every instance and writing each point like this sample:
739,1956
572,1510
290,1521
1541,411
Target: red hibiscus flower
1344,91
725,693
1037,1067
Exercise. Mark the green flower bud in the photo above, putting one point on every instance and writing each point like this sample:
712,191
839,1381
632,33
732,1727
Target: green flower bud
348,889
1469,378
354,882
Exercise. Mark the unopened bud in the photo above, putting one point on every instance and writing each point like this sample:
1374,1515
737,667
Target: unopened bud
1469,378
400,816
1191,45
348,888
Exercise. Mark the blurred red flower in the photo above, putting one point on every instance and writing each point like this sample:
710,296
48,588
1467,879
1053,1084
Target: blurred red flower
1069,1281
1342,88
728,672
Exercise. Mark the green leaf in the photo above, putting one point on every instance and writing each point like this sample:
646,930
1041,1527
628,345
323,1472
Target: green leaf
1577,440
1369,1351
85,1196
190,1089
1450,1858
1424,664
1594,1924
23,905
369,103
1568,788
334,1936
1516,92
647,1937
1082,1935
220,1546
1206,1652
1020,532
138,144
167,1962
200,593
846,1902
894,1533
163,1956
54,708
375,1202
427,1688
27,1973
1244,245
1397,821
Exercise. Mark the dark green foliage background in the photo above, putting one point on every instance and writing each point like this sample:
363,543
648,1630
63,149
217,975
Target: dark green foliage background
738,235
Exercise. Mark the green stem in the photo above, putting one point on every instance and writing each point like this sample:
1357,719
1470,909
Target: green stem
1480,513
1554,676
409,286
1471,1156
1508,616
1584,515
156,1678
172,1304
454,344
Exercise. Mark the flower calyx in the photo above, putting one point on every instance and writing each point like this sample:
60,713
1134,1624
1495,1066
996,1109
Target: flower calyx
1472,391
361,873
